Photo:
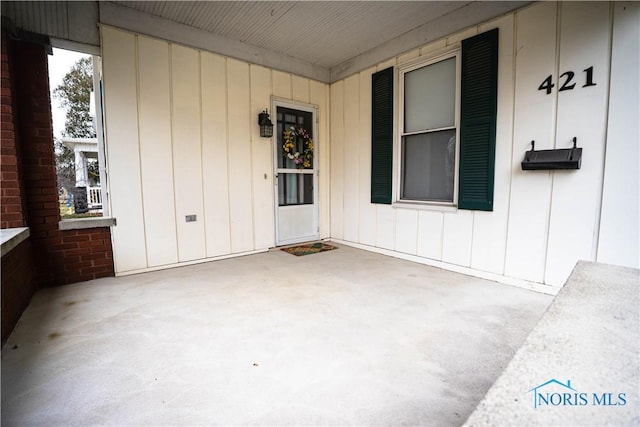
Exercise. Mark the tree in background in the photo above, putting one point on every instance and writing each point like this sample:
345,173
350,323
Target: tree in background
75,97
65,166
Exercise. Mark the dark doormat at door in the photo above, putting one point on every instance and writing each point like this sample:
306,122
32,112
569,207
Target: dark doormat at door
309,248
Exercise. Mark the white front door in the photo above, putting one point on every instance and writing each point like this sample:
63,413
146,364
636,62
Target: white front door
296,174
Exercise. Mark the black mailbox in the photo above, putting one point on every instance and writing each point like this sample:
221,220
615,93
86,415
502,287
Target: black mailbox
563,158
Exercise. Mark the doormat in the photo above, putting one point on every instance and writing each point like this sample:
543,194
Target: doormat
309,248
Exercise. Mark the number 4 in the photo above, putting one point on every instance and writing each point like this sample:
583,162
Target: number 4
546,84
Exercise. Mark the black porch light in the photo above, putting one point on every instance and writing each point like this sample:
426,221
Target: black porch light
266,127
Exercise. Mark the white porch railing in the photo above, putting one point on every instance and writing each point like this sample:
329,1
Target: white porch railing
94,197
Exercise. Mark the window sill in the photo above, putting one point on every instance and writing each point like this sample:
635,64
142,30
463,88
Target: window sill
424,206
12,237
82,223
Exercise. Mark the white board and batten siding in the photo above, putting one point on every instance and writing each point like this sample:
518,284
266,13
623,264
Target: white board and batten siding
582,113
533,120
619,238
119,69
543,222
183,140
156,166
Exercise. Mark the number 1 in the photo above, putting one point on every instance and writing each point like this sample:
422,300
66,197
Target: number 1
589,72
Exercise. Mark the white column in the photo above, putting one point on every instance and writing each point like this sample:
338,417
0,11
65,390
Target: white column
81,169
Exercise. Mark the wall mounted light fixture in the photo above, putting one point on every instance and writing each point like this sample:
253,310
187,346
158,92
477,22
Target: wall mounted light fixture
266,127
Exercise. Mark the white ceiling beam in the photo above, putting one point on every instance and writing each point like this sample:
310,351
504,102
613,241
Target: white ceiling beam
471,14
143,23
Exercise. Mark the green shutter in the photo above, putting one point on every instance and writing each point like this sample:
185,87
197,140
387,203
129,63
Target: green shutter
479,101
381,136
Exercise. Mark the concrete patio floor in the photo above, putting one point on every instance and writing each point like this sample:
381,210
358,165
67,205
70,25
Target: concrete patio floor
345,337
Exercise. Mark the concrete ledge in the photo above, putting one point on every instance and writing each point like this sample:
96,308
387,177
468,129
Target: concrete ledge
82,223
12,237
580,364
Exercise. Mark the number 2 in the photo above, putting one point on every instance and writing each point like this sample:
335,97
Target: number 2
566,85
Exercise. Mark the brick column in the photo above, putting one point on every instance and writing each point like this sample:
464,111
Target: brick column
12,209
60,257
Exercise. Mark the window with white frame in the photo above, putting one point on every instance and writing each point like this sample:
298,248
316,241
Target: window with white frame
429,111
445,138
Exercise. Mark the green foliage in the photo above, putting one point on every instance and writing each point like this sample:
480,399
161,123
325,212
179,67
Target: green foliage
65,165
75,94
93,169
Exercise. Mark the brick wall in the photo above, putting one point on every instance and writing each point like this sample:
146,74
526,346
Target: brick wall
17,285
61,257
12,209
72,256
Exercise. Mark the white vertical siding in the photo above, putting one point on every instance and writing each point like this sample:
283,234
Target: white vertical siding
156,161
240,204
407,231
386,227
319,95
337,160
351,153
458,232
430,233
183,139
215,177
281,84
619,236
582,113
534,119
120,73
300,89
261,161
542,221
187,152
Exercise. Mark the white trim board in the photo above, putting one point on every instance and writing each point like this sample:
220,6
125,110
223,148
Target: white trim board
143,23
469,15
186,263
505,280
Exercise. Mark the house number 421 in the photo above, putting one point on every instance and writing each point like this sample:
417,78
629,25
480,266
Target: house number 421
567,81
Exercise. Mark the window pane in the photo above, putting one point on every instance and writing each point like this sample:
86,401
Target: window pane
429,96
301,155
428,165
295,189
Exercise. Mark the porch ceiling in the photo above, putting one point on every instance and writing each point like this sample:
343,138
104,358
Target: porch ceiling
327,34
